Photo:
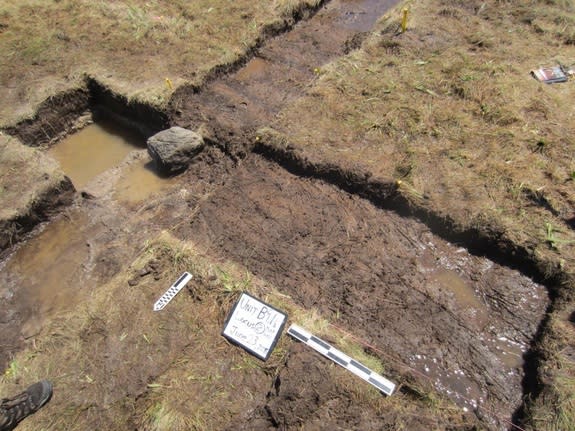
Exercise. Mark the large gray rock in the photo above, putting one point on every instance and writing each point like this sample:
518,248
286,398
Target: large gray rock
173,149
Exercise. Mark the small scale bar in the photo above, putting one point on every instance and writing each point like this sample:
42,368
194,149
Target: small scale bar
172,291
340,358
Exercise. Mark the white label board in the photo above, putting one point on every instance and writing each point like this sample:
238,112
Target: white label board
254,325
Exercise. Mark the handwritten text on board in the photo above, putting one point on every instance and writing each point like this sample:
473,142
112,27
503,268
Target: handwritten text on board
254,325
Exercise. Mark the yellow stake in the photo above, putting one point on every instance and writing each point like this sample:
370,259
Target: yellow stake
404,20
169,84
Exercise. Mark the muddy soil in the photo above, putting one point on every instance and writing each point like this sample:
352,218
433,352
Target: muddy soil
232,107
304,396
429,309
458,321
62,260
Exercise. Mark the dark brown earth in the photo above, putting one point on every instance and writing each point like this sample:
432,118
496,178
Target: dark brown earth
385,278
451,320
432,311
232,107
304,396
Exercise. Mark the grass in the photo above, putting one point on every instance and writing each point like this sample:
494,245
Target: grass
551,237
12,370
566,404
555,409
179,40
455,120
230,285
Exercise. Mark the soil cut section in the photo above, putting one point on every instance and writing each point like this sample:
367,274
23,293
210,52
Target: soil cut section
232,107
456,320
430,310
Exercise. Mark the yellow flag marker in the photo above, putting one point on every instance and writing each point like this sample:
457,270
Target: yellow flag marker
169,83
405,11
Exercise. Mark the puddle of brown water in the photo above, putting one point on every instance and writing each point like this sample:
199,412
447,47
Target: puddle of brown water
443,279
93,150
455,382
140,181
361,15
52,271
442,266
48,270
255,68
452,381
507,351
464,296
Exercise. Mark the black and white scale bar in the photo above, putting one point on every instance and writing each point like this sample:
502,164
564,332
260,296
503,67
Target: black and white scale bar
342,359
172,291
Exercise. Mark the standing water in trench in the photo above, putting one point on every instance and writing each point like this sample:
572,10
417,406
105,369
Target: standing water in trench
66,258
107,159
93,150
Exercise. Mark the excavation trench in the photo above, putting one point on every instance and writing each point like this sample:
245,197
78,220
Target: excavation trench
455,321
459,322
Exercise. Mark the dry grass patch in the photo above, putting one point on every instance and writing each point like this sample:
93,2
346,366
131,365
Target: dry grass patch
554,410
449,108
131,46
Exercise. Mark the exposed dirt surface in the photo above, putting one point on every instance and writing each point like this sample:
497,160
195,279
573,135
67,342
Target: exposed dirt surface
89,244
304,396
383,277
333,254
437,316
50,123
32,187
232,107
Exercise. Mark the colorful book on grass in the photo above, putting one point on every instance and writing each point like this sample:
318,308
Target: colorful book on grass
550,75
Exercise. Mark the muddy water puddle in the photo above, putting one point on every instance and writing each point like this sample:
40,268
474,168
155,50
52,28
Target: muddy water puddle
93,150
48,272
108,160
464,297
361,15
255,68
140,181
65,259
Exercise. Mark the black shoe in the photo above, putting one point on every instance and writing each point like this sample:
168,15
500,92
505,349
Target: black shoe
13,410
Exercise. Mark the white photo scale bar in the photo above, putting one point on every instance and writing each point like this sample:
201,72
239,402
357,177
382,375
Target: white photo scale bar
172,291
342,359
